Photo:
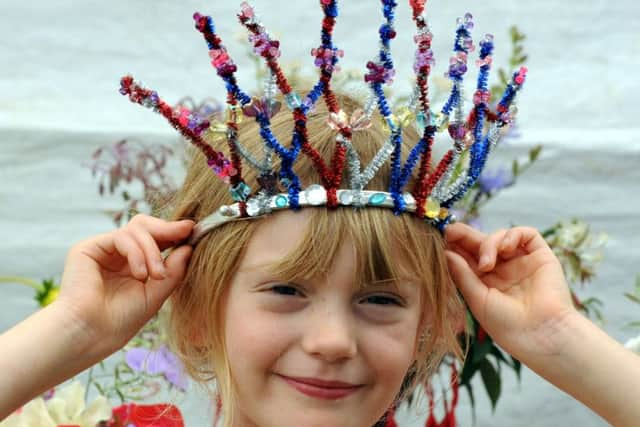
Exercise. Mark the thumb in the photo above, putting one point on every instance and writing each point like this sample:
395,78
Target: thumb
469,284
176,265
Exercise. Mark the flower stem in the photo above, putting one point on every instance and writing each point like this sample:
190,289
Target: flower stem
21,281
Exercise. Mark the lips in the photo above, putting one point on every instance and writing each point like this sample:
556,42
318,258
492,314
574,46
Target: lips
321,389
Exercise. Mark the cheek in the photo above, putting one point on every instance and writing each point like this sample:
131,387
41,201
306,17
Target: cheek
254,340
390,352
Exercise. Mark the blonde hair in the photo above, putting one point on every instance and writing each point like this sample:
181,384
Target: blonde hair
380,240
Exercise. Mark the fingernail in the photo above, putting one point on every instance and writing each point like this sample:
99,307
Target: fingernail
484,261
142,268
161,269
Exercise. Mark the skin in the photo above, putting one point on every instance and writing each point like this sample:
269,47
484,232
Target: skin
113,283
323,328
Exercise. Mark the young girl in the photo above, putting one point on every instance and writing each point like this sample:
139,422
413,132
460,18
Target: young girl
326,315
314,318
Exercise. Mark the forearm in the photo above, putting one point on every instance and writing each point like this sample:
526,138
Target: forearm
40,352
596,370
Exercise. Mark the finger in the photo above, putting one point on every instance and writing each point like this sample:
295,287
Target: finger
176,265
511,246
471,287
163,231
127,246
530,239
464,236
471,259
153,258
488,252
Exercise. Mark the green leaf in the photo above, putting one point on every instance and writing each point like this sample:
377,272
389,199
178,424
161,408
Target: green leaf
515,168
491,381
468,369
498,354
534,153
632,297
471,397
481,350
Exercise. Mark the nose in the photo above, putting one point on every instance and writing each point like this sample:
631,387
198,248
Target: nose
330,335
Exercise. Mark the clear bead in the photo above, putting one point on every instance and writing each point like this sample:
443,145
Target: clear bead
316,195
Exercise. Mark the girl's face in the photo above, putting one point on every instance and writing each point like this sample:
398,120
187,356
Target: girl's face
318,353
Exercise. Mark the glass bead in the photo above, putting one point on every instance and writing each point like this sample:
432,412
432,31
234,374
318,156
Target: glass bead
281,201
316,195
403,117
421,121
233,114
377,199
431,208
346,198
441,121
240,192
293,100
253,207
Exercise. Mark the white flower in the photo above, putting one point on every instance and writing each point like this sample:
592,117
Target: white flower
66,407
633,344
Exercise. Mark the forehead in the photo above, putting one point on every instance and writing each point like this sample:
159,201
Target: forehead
313,244
275,238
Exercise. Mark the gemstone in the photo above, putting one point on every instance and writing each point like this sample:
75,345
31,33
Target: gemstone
253,207
377,198
316,195
293,100
240,192
441,121
346,198
431,208
444,212
403,117
281,201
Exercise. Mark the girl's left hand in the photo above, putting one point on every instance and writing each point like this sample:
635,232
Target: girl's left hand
515,287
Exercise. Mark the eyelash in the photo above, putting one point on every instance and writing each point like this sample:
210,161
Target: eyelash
387,299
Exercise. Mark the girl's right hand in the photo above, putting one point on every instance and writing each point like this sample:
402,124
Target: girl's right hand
115,282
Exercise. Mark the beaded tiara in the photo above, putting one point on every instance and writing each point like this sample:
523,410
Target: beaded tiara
437,187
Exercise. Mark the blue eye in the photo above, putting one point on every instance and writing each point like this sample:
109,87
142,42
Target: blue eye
382,300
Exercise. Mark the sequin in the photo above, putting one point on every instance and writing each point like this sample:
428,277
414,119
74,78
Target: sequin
377,198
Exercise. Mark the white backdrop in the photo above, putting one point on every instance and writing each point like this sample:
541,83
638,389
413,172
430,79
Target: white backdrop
60,64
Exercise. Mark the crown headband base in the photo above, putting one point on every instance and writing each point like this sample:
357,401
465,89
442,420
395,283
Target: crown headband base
316,196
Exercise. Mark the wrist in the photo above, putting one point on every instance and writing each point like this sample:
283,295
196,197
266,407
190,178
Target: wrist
593,368
44,350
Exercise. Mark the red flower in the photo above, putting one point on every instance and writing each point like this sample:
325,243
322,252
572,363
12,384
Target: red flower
159,415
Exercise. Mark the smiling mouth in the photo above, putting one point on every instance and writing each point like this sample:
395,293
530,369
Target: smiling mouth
321,389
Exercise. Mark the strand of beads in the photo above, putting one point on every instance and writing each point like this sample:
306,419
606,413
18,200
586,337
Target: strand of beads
220,165
490,139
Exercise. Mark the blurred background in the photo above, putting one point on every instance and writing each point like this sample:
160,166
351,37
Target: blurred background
60,64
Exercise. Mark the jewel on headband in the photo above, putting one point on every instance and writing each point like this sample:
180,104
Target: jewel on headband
436,188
